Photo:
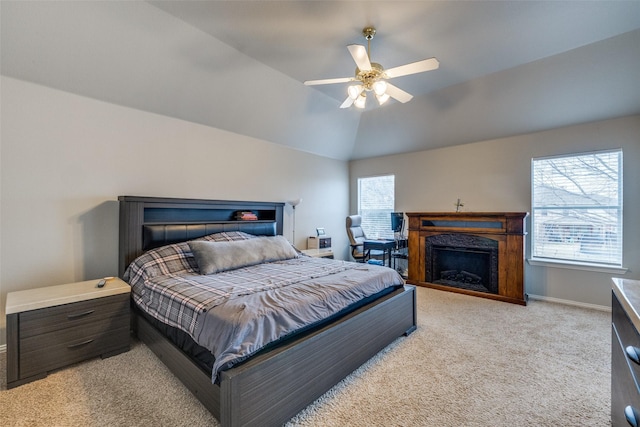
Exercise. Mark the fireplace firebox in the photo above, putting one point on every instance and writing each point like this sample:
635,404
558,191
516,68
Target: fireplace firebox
462,261
480,254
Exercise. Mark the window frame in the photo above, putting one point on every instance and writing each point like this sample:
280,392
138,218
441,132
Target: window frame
589,265
382,232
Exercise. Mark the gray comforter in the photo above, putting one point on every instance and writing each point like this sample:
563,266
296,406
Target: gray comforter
237,313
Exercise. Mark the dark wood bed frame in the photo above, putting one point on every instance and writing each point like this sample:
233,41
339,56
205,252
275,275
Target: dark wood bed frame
271,387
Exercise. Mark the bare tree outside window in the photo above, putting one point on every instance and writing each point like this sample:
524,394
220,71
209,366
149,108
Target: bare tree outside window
577,208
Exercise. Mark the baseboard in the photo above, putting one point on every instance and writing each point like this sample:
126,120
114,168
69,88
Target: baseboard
3,348
569,302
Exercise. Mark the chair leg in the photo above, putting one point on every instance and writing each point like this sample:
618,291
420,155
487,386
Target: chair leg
362,259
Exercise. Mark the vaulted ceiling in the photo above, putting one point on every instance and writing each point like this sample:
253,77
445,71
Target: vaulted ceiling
506,68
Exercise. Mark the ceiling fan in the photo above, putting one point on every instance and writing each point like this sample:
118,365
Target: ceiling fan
372,77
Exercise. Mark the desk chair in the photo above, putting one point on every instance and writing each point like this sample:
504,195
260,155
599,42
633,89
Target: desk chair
357,238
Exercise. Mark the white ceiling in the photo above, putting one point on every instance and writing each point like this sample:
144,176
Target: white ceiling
506,68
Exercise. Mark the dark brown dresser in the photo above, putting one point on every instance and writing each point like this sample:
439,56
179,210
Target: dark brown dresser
625,353
52,327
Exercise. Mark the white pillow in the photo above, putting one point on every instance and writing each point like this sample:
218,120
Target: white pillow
215,257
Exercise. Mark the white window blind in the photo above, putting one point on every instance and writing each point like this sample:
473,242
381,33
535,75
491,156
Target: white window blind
577,208
375,203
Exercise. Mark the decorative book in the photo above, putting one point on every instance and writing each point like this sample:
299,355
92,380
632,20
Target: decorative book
246,216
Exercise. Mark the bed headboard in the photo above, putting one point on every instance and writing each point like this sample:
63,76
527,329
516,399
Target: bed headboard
150,222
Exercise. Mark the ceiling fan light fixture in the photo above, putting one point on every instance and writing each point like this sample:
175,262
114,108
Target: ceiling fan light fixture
354,91
380,87
382,98
361,101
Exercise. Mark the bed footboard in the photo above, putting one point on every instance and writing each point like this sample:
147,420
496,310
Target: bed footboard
272,388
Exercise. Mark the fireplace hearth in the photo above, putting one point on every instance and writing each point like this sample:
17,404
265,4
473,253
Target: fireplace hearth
480,254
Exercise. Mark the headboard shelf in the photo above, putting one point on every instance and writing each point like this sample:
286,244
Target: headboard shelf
148,222
208,222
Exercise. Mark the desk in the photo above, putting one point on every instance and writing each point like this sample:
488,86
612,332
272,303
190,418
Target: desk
386,246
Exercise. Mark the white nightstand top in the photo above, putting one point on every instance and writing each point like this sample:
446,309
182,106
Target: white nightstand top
318,253
49,296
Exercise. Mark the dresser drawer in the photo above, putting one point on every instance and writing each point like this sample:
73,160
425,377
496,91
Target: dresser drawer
53,337
47,353
625,373
46,320
625,336
626,330
73,335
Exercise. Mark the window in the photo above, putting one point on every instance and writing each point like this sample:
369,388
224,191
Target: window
375,204
577,208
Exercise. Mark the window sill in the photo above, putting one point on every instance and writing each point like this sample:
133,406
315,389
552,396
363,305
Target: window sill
600,268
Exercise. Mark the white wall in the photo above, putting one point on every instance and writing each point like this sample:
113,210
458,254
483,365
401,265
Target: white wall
495,176
66,158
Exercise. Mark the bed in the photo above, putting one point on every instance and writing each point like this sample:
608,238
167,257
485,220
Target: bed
274,384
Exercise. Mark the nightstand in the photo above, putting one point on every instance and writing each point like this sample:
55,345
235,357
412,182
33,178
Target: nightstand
55,326
319,253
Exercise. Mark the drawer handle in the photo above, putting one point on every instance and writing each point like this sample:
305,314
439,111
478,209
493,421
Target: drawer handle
633,353
80,344
632,415
76,315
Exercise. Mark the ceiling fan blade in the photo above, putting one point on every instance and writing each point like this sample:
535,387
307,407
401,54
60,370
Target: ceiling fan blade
347,102
398,93
360,56
413,68
329,81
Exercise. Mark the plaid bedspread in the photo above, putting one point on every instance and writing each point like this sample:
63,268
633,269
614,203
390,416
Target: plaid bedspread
179,299
237,313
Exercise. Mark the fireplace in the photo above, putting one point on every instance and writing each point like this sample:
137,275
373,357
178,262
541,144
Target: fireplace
480,254
462,261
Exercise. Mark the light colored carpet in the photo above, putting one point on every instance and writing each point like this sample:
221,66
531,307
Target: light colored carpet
472,362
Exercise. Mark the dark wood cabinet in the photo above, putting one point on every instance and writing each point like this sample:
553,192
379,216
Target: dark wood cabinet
45,331
497,238
625,372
